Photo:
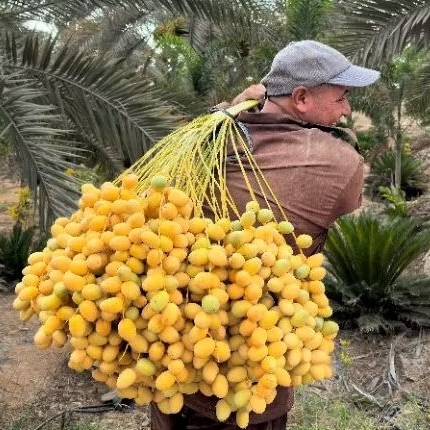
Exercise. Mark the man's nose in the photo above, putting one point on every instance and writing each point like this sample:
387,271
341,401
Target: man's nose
346,111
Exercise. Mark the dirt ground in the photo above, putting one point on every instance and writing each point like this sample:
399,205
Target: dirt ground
385,372
38,382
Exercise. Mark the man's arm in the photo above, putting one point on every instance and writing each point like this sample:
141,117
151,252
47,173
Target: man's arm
253,92
352,194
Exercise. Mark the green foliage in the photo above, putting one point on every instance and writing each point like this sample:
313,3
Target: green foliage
95,175
367,280
15,248
418,103
307,19
21,213
375,102
377,30
414,414
340,410
202,64
413,180
18,423
396,199
4,147
369,141
102,108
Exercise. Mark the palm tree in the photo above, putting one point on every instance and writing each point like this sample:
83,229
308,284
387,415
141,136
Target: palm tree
308,19
59,106
62,105
217,62
391,35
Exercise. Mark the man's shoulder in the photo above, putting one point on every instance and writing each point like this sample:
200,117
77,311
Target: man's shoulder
333,150
342,139
259,121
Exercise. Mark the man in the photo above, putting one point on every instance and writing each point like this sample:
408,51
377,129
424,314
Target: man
314,171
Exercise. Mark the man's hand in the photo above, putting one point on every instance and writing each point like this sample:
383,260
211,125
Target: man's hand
253,92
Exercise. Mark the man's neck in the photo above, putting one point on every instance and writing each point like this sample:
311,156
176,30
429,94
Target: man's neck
277,105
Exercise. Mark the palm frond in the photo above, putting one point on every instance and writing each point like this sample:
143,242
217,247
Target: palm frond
411,296
377,30
31,128
413,180
105,102
56,11
375,102
116,31
418,101
217,11
62,13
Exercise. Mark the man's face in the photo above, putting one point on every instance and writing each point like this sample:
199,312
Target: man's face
328,104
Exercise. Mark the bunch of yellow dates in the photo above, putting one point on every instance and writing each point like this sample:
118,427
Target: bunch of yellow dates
159,303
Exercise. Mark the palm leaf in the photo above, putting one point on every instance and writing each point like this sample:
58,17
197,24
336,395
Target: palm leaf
418,102
108,105
62,13
413,180
369,244
52,10
115,114
30,127
411,296
217,11
377,30
117,31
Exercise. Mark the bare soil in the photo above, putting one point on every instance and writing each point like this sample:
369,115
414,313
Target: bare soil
37,384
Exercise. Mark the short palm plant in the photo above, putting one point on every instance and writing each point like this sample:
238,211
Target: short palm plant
367,280
15,247
413,180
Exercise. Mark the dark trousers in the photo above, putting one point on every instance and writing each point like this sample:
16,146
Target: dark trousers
189,419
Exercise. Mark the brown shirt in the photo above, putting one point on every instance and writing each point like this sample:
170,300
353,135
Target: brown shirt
316,177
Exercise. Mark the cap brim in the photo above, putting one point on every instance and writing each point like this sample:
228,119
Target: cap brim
355,76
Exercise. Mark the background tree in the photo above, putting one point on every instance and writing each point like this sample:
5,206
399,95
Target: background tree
308,19
393,36
63,105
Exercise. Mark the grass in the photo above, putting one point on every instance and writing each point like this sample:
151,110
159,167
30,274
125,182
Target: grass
311,412
314,412
414,416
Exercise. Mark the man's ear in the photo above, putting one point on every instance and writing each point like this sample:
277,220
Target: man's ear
301,98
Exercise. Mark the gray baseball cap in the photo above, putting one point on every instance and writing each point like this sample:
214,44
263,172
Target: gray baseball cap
310,63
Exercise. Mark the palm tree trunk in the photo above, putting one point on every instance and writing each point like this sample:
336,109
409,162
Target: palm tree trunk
398,142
